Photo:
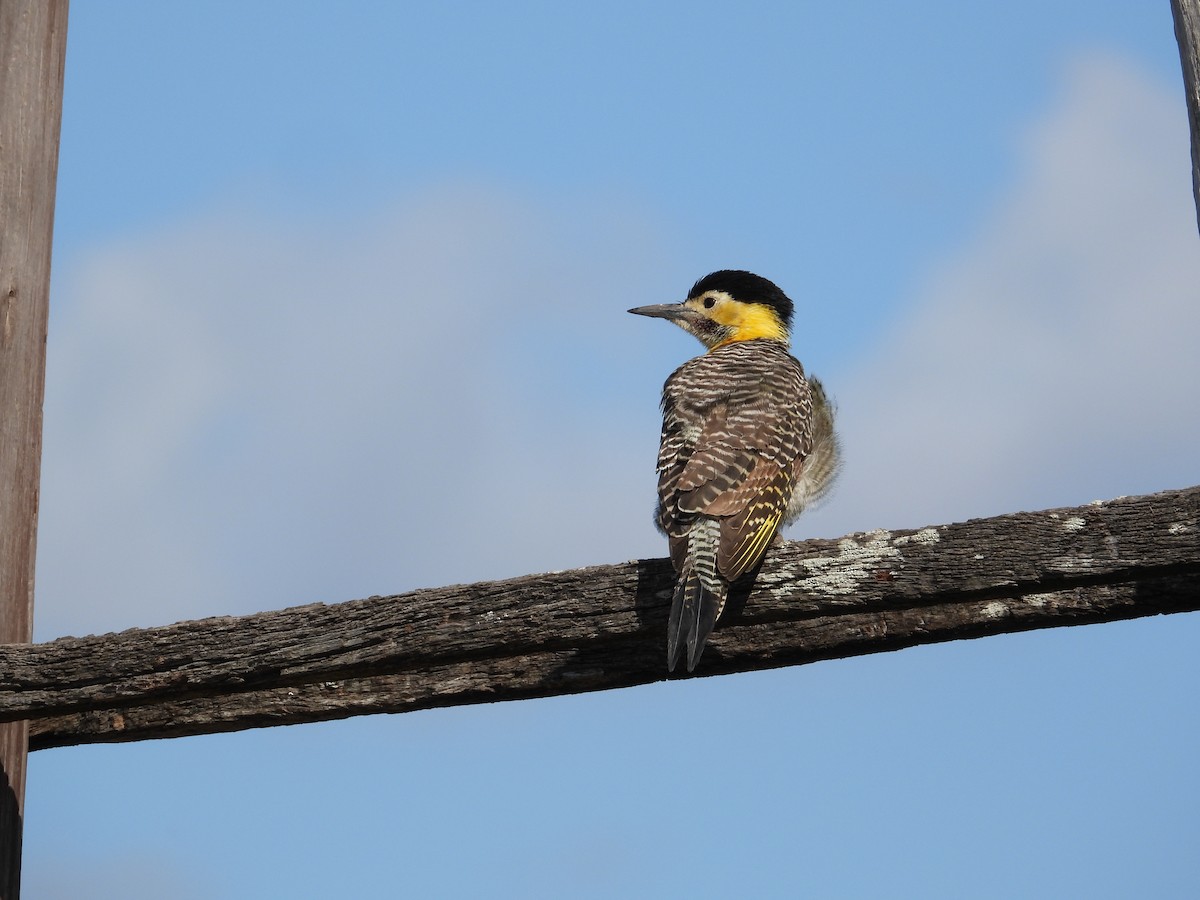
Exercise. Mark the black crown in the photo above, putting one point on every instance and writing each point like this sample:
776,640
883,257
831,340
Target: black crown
748,288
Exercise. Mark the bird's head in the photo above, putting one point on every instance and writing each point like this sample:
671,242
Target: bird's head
727,306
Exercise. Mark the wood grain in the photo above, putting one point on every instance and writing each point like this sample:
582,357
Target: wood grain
32,52
1186,14
604,627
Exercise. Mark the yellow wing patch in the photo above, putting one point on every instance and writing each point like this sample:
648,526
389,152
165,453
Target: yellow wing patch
753,548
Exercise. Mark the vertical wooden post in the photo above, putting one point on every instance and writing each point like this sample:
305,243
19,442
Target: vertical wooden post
32,51
1187,33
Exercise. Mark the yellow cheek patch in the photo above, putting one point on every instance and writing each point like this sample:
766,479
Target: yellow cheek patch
748,321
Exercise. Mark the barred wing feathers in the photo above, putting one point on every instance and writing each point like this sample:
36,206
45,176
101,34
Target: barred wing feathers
735,432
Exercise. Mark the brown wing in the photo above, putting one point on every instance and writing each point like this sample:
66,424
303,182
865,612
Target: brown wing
748,530
771,430
740,465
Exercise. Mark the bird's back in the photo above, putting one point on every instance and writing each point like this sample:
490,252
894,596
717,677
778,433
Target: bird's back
736,423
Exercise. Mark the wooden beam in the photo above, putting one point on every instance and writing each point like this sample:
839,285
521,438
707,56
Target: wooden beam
32,52
604,627
1187,33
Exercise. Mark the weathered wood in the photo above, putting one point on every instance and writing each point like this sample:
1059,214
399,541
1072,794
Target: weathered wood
1187,33
603,627
32,51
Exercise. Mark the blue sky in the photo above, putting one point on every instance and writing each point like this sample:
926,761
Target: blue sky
338,310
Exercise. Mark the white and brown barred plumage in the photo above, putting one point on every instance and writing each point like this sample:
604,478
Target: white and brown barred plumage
747,443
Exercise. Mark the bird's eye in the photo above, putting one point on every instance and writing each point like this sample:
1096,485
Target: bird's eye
710,302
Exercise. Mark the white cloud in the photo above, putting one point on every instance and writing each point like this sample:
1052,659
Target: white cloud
1052,359
129,877
245,414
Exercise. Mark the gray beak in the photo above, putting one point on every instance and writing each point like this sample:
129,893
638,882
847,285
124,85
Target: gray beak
664,311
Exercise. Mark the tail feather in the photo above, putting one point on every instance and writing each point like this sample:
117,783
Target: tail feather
694,612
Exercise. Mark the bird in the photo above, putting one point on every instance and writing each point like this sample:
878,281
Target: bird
748,442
